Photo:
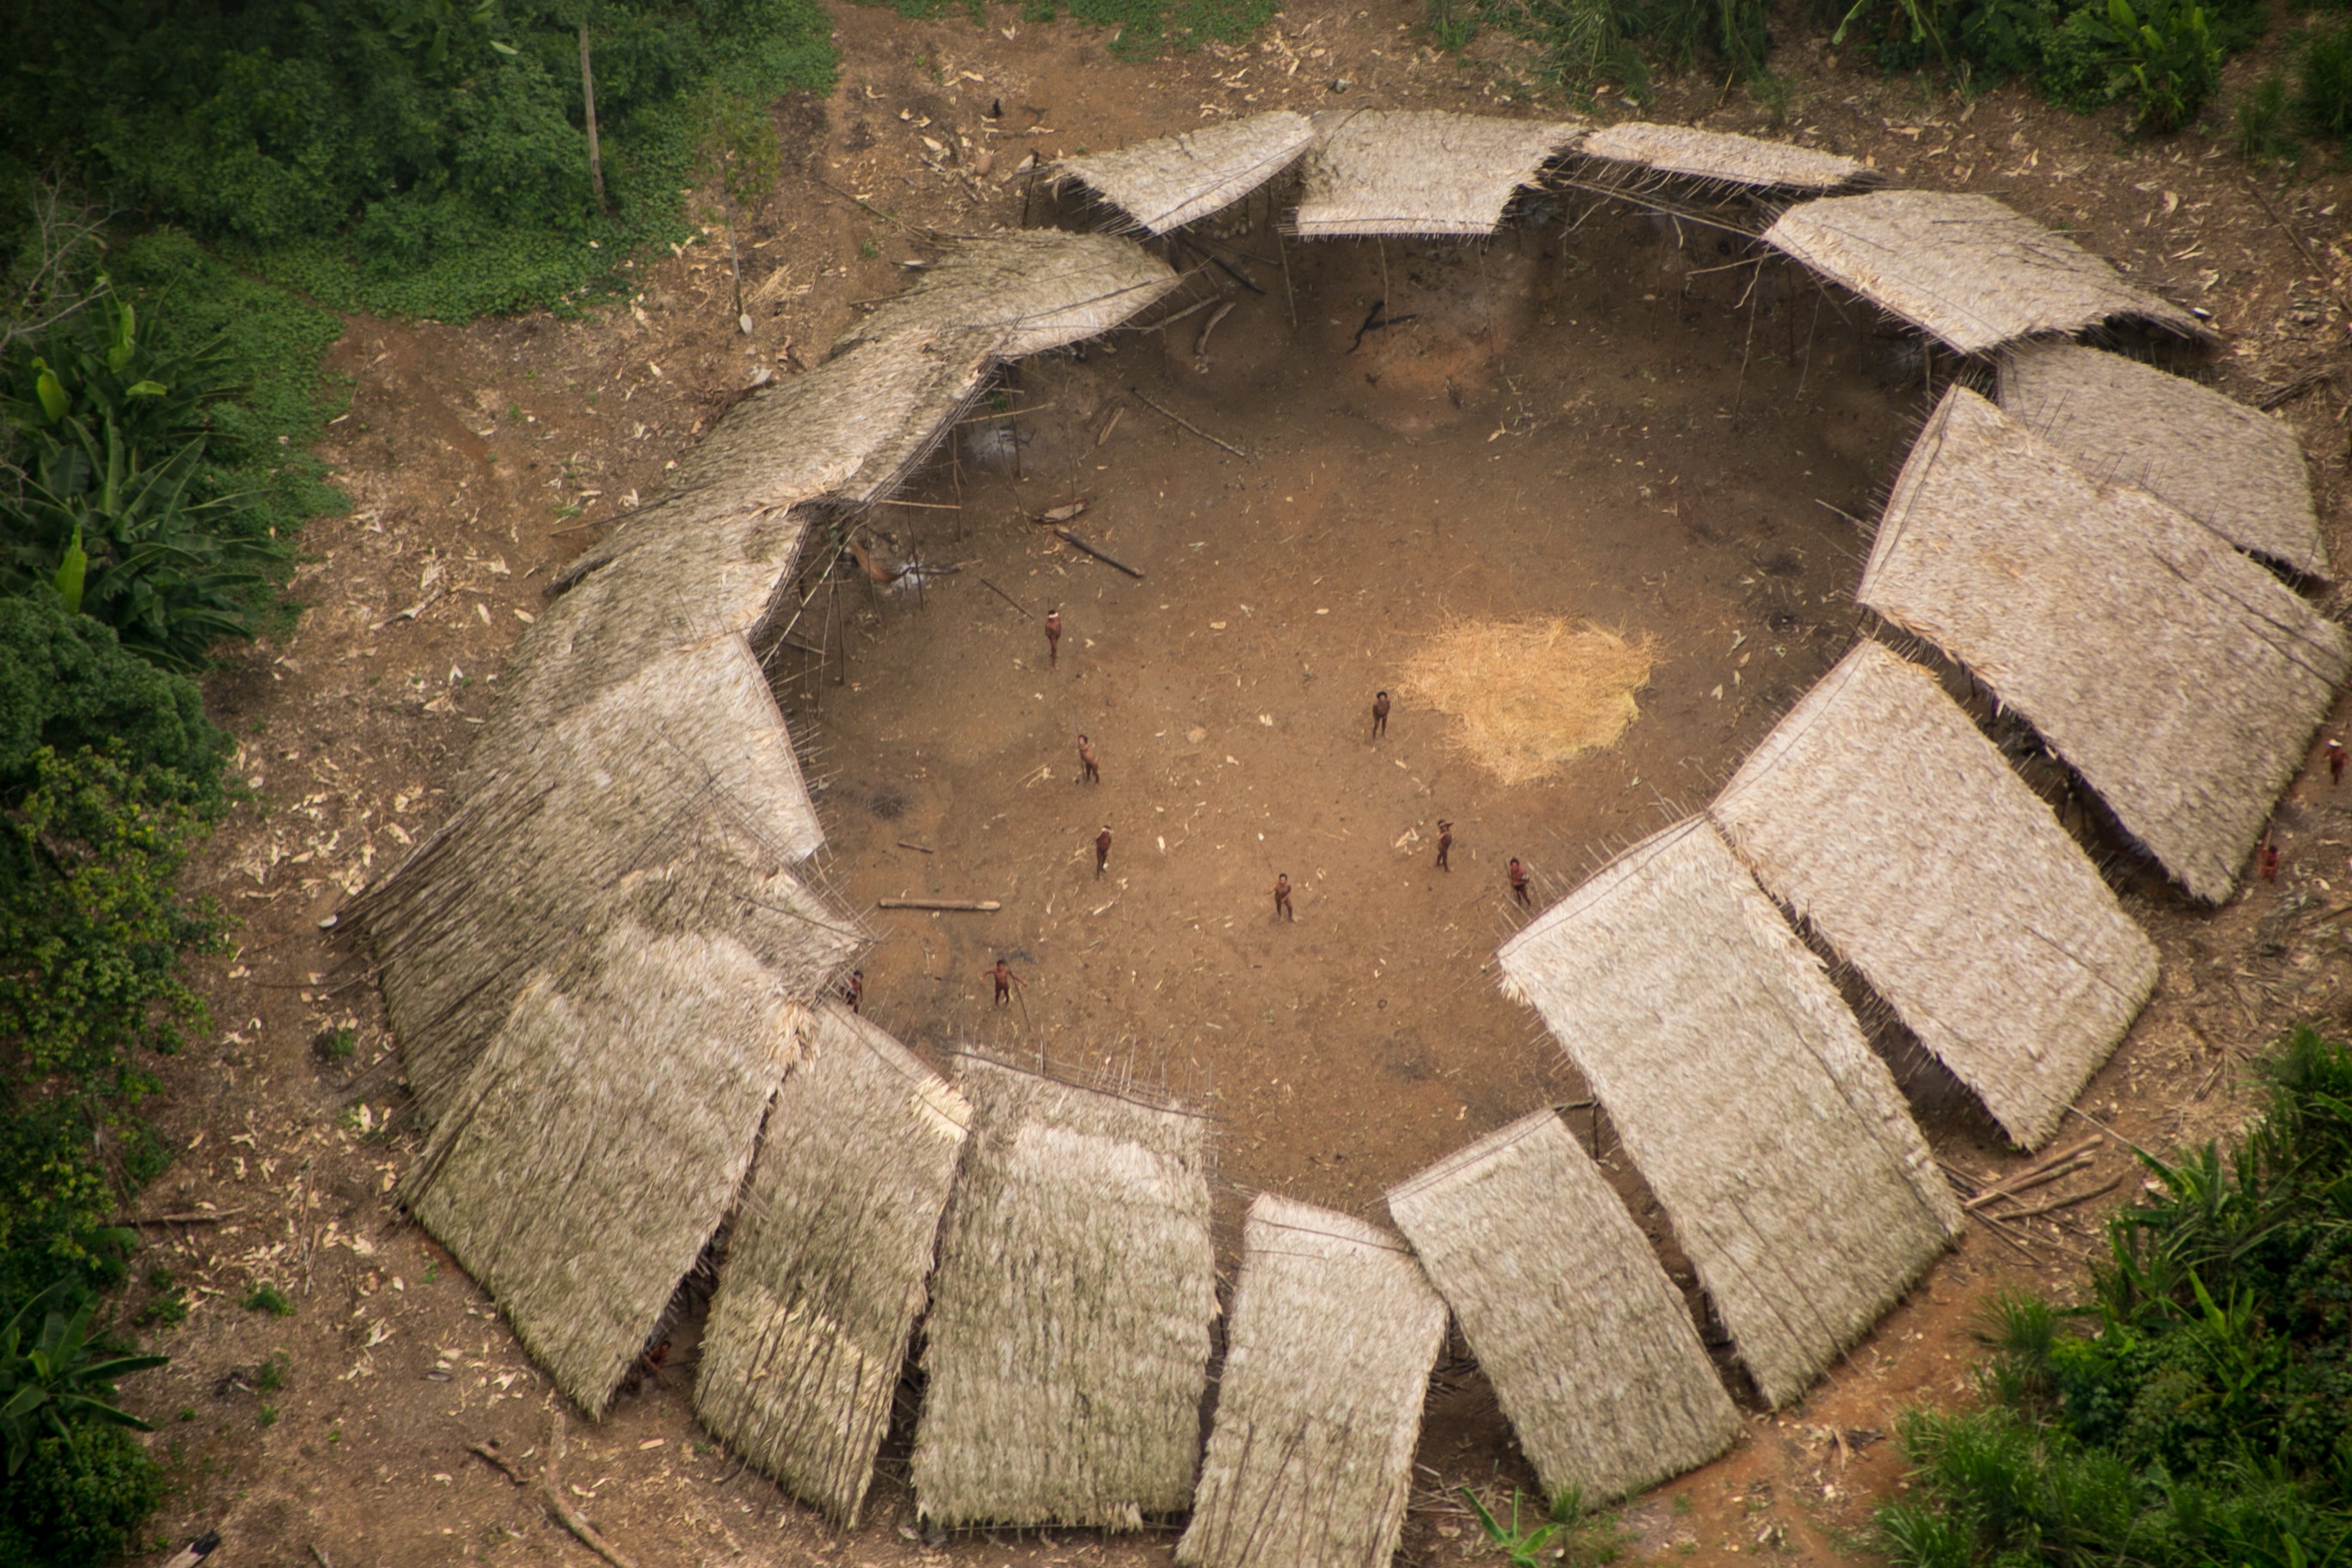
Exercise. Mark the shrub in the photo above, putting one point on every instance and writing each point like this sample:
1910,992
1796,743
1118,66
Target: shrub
78,1504
2323,95
2259,115
2161,58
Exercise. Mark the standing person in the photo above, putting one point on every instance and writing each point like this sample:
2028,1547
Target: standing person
1054,638
1445,843
1379,714
1519,875
1282,897
2269,861
2335,761
1005,981
852,991
1088,772
1102,851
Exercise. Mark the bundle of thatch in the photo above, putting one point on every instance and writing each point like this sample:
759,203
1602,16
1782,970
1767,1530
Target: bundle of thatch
1067,1348
1421,170
1877,812
1333,1334
2179,679
2237,472
1776,1143
1588,1344
1721,158
682,779
1963,266
1037,290
593,1148
826,1261
1170,181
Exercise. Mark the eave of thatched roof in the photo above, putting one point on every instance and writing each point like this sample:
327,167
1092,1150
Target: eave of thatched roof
1170,181
1964,267
1776,1142
1879,814
1068,1347
1420,170
1037,290
1722,157
673,798
595,1146
2182,681
1589,1345
1333,1334
2236,470
826,1262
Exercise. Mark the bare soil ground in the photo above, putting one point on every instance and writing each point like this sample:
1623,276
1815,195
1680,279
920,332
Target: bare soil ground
1579,421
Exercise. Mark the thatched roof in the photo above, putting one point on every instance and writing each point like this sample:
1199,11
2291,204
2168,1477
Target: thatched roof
1067,1348
1037,290
1724,158
673,797
2236,470
2179,679
1776,1142
594,1147
826,1261
1963,266
1588,1344
1421,170
1327,1356
1877,811
1170,181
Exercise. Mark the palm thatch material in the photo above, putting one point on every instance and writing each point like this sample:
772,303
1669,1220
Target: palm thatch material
2234,469
826,1261
1722,157
1776,1143
1170,181
1037,290
1964,267
1421,170
1333,1334
1067,1348
2182,681
596,1144
1877,811
672,799
1588,1344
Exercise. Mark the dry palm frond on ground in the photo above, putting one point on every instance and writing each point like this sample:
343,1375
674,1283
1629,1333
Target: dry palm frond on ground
1534,695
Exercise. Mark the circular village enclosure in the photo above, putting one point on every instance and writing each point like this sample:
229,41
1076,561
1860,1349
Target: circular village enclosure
1521,424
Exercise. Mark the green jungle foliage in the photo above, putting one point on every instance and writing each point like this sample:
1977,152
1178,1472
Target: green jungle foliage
1145,27
2198,1410
1584,42
2323,94
79,1504
425,157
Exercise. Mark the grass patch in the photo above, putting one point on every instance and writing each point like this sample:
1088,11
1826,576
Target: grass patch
268,1298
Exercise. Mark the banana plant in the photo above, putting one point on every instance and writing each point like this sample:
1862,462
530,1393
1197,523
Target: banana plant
50,1378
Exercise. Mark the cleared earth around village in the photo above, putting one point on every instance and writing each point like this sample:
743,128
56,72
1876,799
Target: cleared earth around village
1384,488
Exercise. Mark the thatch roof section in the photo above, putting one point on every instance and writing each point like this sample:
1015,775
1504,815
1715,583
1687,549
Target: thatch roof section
1588,1344
1333,1334
1964,267
826,1262
1878,813
1037,290
2237,471
1170,181
1421,170
1068,1347
2182,681
1776,1143
1722,157
596,1144
672,799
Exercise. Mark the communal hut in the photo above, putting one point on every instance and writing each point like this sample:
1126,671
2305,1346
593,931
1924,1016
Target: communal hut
1721,158
1420,170
826,1261
2182,681
1170,181
1879,814
1327,1357
2237,472
1068,1347
1964,267
1589,1345
1776,1142
595,1145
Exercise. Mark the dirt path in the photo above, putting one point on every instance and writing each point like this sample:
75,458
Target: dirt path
1588,469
